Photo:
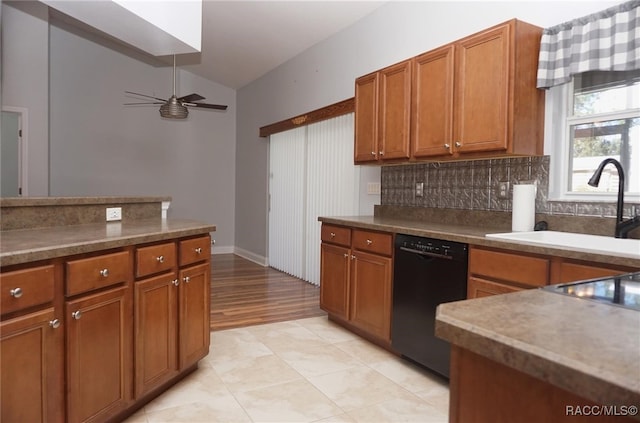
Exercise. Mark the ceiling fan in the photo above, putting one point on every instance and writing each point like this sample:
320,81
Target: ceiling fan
176,107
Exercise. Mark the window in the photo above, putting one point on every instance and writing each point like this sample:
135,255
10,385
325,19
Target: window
595,116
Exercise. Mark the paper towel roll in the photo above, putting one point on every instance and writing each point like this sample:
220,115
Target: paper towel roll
523,214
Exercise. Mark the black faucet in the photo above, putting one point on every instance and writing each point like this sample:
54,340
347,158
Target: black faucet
623,227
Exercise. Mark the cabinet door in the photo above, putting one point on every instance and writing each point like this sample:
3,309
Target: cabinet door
156,329
371,294
194,314
394,106
482,91
99,355
477,288
567,271
31,367
334,279
366,119
432,107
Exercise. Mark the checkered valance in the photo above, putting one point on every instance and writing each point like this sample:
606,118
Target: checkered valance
606,41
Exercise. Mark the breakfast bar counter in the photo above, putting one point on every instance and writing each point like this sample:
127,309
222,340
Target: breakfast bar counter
547,343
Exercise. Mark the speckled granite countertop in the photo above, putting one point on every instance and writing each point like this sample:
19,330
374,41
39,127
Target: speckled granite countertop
470,234
581,346
27,245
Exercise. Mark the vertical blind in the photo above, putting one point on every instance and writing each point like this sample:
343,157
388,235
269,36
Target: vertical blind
325,182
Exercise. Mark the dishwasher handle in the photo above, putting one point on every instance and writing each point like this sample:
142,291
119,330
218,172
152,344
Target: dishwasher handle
425,253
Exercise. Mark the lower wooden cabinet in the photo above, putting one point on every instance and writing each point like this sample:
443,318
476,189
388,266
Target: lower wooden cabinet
494,271
194,314
356,272
31,368
71,329
99,355
156,329
566,270
371,277
334,289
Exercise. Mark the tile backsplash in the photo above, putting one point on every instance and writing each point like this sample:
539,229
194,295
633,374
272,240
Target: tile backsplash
474,185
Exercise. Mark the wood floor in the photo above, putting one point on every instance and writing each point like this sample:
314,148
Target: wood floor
244,293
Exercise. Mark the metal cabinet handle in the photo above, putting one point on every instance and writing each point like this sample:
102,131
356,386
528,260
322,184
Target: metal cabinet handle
186,279
346,255
198,250
369,242
458,144
55,323
76,314
373,153
447,146
16,292
104,272
381,153
160,259
333,235
176,282
353,257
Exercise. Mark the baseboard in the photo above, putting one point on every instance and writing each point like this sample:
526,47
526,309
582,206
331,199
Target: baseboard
261,260
222,250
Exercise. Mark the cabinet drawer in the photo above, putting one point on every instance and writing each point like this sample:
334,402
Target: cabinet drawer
375,242
522,269
155,259
26,288
97,272
194,250
336,235
478,288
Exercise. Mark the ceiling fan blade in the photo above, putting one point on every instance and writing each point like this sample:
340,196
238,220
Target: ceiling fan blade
206,106
144,95
154,102
191,97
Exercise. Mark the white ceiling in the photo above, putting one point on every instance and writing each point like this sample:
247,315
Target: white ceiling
243,40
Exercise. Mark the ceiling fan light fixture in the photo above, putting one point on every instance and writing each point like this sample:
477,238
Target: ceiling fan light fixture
172,109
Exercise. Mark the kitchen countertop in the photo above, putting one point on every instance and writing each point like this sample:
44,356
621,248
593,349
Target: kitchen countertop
469,234
585,347
28,245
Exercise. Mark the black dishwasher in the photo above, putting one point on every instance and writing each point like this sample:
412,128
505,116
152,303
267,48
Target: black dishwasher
427,272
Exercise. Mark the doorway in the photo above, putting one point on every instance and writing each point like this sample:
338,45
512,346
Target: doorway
13,152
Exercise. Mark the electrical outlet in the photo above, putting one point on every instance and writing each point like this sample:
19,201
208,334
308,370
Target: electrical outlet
114,213
373,188
503,190
419,189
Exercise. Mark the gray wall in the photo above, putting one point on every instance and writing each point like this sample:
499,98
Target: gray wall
25,81
325,74
100,147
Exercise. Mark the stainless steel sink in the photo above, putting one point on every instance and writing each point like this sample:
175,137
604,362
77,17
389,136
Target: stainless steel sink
578,242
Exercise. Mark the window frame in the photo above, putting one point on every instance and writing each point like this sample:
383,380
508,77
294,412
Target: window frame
558,104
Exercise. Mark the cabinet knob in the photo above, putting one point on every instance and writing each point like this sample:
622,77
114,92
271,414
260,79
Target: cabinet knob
160,259
333,235
373,153
76,314
458,144
104,272
381,153
353,257
186,279
55,323
369,242
346,255
176,282
198,250
16,292
447,146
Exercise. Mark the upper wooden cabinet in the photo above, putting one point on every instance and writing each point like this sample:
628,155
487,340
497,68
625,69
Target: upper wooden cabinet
475,97
383,104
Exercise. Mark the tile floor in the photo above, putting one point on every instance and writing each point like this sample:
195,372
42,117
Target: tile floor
308,370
